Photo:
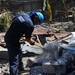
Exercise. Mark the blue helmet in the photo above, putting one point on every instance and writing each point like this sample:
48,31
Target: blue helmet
39,14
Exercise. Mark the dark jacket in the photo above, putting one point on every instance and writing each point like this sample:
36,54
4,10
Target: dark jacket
22,24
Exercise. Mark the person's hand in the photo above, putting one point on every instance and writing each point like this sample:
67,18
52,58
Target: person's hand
30,41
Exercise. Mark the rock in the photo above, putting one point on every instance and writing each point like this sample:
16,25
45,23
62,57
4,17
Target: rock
37,70
54,67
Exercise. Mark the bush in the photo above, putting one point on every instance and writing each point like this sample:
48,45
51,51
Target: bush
5,20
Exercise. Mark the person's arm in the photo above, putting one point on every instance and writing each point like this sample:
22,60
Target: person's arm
28,35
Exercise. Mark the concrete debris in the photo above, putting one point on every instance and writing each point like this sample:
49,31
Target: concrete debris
41,34
60,36
68,59
28,48
71,39
40,30
46,29
54,66
37,70
55,56
2,43
50,51
51,62
4,69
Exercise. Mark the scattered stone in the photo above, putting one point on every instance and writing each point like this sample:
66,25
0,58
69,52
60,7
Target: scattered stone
37,70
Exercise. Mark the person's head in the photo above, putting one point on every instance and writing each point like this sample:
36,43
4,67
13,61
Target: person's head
37,17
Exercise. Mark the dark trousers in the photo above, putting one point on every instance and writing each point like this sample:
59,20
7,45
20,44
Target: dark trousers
15,58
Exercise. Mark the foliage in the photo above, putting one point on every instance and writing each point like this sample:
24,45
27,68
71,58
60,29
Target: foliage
5,20
20,12
60,28
73,10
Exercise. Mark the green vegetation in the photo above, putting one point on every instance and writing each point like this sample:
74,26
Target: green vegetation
5,20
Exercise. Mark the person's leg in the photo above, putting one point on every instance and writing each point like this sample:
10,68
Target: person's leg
21,66
13,59
13,65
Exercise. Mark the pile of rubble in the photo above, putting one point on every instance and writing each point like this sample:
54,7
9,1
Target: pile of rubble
58,58
55,54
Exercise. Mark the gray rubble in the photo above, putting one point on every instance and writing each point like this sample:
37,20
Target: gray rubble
48,61
52,63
